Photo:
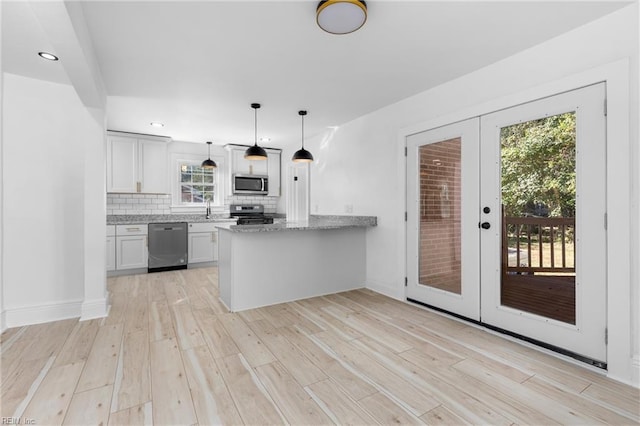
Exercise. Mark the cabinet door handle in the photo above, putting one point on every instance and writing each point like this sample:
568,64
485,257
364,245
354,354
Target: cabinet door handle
213,237
138,186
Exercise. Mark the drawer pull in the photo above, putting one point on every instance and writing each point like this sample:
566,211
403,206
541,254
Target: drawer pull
133,229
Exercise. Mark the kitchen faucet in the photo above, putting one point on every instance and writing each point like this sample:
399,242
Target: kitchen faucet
208,215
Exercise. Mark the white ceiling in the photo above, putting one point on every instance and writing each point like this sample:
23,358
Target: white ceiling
197,66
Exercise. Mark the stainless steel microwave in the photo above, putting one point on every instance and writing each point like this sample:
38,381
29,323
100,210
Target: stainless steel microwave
250,184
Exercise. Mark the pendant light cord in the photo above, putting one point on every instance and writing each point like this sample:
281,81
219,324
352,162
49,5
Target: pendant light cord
255,143
302,131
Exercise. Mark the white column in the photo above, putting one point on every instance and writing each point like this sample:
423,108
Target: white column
298,193
95,301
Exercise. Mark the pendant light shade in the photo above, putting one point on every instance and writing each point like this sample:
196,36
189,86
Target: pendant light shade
209,163
255,152
302,155
341,16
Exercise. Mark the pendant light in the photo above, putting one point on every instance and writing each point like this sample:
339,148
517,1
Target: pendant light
209,163
341,16
302,155
255,152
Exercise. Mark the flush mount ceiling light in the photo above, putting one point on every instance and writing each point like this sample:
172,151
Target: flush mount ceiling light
209,163
156,124
302,155
341,16
48,56
255,152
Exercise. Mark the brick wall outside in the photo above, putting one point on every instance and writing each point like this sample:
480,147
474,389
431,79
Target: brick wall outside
440,202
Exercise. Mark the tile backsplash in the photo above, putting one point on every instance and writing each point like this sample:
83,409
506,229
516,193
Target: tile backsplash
270,203
161,203
138,203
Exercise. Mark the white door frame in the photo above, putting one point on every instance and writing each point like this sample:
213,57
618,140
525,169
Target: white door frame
622,363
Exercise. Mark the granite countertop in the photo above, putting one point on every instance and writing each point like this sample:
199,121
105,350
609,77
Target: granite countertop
140,219
223,221
316,222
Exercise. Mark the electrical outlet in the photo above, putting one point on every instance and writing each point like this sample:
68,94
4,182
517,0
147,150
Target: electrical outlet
348,208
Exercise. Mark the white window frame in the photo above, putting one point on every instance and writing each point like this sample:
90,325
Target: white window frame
177,206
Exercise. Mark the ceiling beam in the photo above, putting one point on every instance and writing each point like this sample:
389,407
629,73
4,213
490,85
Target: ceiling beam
65,27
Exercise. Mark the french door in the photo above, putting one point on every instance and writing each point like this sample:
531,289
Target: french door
443,253
515,201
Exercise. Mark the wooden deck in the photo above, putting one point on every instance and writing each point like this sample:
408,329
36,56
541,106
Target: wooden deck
169,353
538,270
550,296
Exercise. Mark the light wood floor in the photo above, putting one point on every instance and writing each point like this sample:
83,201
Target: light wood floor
169,353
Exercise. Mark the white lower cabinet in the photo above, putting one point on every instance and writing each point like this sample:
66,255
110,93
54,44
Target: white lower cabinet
111,248
203,243
132,249
127,245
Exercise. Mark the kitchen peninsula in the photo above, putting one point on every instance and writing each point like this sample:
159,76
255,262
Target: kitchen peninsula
262,265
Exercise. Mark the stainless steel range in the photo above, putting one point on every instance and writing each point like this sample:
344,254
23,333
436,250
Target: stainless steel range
249,214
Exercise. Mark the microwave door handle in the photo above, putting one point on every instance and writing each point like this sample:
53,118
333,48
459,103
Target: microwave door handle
262,181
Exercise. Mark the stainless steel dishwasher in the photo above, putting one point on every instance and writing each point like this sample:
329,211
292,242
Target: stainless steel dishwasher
167,246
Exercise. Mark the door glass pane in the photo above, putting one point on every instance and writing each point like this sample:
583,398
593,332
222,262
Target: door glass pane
538,225
440,254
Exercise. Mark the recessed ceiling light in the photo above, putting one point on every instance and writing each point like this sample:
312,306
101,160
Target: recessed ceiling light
48,56
156,124
265,139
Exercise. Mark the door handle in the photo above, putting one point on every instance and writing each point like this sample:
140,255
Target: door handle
484,225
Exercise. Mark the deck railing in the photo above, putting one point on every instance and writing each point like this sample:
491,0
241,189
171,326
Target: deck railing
542,244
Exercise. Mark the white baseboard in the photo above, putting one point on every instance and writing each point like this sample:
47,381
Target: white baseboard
386,289
92,309
27,315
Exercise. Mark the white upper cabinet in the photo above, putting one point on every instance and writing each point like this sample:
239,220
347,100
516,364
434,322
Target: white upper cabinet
122,164
137,164
269,167
240,165
273,171
153,173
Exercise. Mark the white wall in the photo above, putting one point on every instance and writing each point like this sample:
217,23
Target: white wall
90,130
2,315
53,166
361,163
635,215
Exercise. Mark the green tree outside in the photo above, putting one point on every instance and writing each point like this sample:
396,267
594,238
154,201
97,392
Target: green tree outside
539,167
